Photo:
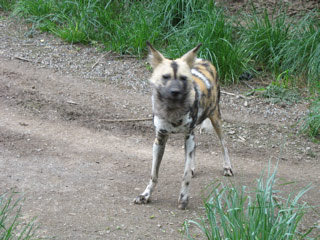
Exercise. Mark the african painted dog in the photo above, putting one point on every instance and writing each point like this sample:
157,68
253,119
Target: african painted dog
185,93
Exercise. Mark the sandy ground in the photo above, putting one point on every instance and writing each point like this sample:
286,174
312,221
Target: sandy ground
79,173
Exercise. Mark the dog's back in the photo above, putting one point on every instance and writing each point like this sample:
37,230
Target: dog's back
207,87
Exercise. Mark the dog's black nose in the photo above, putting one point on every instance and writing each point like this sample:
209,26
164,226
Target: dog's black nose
175,92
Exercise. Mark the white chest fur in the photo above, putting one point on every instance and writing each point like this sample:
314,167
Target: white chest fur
180,126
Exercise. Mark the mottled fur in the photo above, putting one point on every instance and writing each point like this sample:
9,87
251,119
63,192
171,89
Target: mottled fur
185,93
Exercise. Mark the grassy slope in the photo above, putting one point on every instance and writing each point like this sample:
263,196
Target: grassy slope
267,40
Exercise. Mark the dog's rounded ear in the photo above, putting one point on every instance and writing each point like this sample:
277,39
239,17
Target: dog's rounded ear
154,57
191,56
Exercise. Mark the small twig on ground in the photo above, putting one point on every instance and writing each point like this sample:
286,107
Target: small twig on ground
98,61
95,64
233,94
125,56
126,120
248,85
72,102
42,44
22,59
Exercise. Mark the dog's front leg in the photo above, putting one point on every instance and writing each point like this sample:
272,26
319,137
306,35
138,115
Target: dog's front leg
158,150
189,164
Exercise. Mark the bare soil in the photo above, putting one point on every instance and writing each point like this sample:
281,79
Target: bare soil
79,173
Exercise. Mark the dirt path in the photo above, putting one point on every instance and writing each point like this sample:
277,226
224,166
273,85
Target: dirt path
80,174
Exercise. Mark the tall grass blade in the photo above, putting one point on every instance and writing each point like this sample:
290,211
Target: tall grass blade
11,226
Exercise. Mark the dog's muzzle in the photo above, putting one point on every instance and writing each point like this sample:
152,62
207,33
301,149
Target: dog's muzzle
175,93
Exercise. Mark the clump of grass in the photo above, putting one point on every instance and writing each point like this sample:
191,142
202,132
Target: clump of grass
264,34
122,26
125,26
176,13
7,5
278,43
233,213
276,94
301,53
272,41
134,27
11,226
311,123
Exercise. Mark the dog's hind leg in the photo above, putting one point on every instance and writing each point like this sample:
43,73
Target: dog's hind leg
190,148
216,122
158,150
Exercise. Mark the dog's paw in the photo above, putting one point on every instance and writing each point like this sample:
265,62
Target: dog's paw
141,199
183,202
228,172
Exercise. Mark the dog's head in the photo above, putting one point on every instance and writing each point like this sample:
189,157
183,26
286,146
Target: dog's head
172,79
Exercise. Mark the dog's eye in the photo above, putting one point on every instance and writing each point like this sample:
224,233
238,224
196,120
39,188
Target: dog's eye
183,78
166,76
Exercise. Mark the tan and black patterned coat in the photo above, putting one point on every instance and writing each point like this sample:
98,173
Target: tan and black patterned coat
185,93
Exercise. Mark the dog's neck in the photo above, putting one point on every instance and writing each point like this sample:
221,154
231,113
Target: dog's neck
171,110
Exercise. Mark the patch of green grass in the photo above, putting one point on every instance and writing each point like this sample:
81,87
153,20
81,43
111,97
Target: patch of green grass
123,26
311,123
277,94
272,41
278,43
176,26
133,28
301,53
264,34
233,213
279,91
7,5
11,225
73,21
176,13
